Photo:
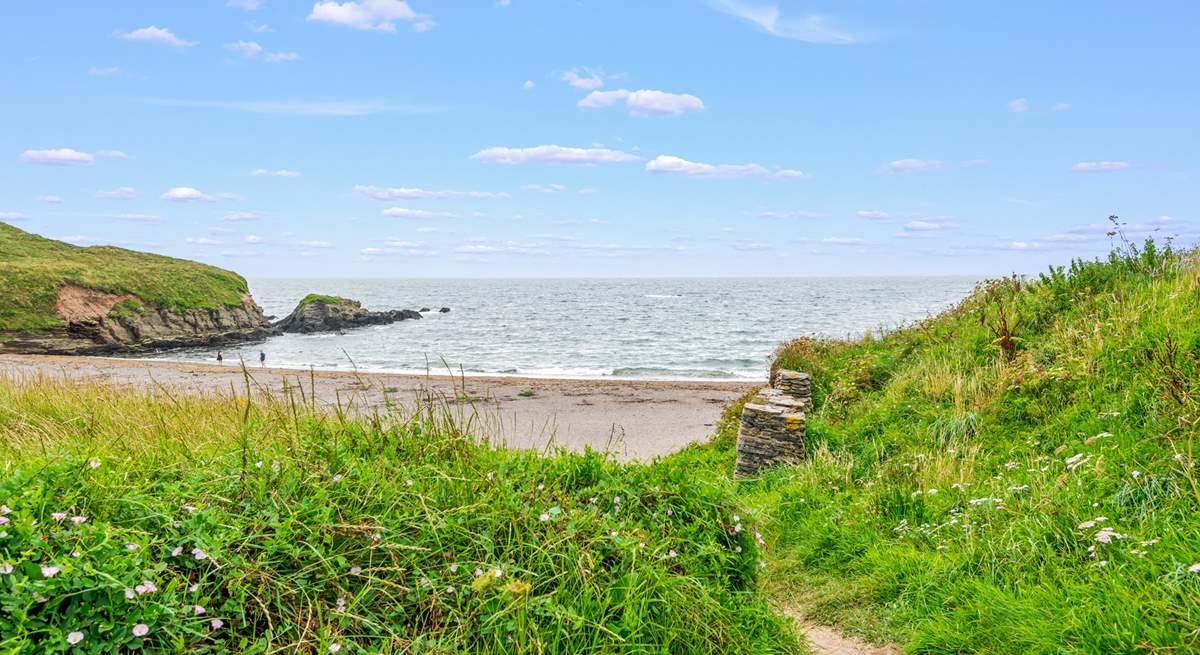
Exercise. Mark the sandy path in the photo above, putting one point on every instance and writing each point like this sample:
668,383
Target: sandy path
825,640
638,420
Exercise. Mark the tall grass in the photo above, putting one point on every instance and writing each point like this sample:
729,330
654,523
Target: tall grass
218,525
1025,485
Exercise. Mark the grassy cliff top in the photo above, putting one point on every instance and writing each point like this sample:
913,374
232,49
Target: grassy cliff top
32,268
1017,475
323,299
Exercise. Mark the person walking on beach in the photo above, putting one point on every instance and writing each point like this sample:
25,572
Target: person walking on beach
220,358
262,359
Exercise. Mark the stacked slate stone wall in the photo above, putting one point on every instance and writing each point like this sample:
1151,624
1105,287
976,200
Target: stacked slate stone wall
772,430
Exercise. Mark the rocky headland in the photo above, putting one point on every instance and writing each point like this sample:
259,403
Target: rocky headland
319,313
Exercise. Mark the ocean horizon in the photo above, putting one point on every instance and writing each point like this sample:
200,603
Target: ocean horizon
697,329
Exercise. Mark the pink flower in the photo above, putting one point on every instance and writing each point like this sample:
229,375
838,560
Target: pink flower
671,553
59,516
355,570
95,463
199,554
78,519
50,571
199,610
335,647
141,630
217,624
6,568
177,551
130,593
74,637
1195,568
131,546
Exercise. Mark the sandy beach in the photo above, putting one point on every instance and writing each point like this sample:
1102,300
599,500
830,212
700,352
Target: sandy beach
635,419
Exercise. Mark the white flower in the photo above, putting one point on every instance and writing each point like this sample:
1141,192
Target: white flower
670,512
95,463
199,554
258,464
337,478
1195,568
131,546
194,588
1136,474
671,553
616,500
454,568
335,647
355,570
541,487
1106,535
408,483
177,551
490,476
130,593
932,492
59,516
544,517
737,549
217,624
5,510
78,519
736,518
50,571
74,637
6,568
141,630
497,573
341,605
199,610
478,571
450,590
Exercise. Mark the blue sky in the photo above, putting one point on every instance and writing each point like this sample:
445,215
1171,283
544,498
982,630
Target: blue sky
587,137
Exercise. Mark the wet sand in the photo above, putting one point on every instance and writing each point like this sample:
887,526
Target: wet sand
635,419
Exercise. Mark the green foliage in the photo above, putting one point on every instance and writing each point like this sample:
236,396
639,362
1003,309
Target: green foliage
320,298
1018,475
33,268
297,531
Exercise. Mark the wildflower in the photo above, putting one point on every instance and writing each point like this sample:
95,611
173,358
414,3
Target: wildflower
74,637
194,588
131,546
450,589
3,520
1195,568
408,483
59,516
146,587
1136,474
77,520
1010,465
355,570
490,476
737,527
5,510
541,487
341,605
737,519
616,500
335,647
615,533
671,553
199,610
543,517
50,571
454,568
337,478
216,624
258,464
737,549
191,509
376,538
1087,525
932,492
670,512
497,573
130,593
75,553
1106,535
95,463
199,554
141,630
6,568
177,551
1149,542
1018,488
478,571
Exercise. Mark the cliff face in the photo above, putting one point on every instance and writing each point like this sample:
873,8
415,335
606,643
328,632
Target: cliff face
97,322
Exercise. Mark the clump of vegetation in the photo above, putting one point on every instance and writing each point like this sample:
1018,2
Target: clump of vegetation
1017,475
321,298
134,520
33,268
126,309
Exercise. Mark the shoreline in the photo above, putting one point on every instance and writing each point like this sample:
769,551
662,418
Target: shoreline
634,419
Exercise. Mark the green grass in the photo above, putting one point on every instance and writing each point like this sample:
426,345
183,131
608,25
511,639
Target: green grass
318,530
321,298
32,269
966,470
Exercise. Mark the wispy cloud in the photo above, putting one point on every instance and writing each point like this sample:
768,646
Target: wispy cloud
873,214
58,157
679,166
283,172
1018,105
185,194
811,28
418,214
552,154
242,216
913,166
1100,166
646,102
133,218
372,15
244,5
104,71
122,193
1060,106
52,200
12,216
155,34
415,193
584,79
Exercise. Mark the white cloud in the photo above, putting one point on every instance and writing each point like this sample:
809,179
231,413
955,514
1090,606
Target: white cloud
134,218
283,172
913,166
873,214
244,5
376,15
414,193
646,102
113,154
399,247
316,244
245,48
527,85
259,28
1060,106
680,166
924,226
278,57
588,81
812,28
420,214
843,241
544,188
242,216
253,238
1020,245
588,191
1100,166
12,216
204,241
552,154
773,215
154,34
104,71
58,157
1019,105
52,200
122,193
185,193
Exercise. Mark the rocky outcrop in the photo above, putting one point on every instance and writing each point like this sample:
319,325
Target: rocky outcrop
96,322
330,314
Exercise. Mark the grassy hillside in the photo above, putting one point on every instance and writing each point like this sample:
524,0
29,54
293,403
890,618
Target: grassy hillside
1018,475
216,526
32,268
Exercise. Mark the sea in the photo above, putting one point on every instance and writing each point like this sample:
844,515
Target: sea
652,329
